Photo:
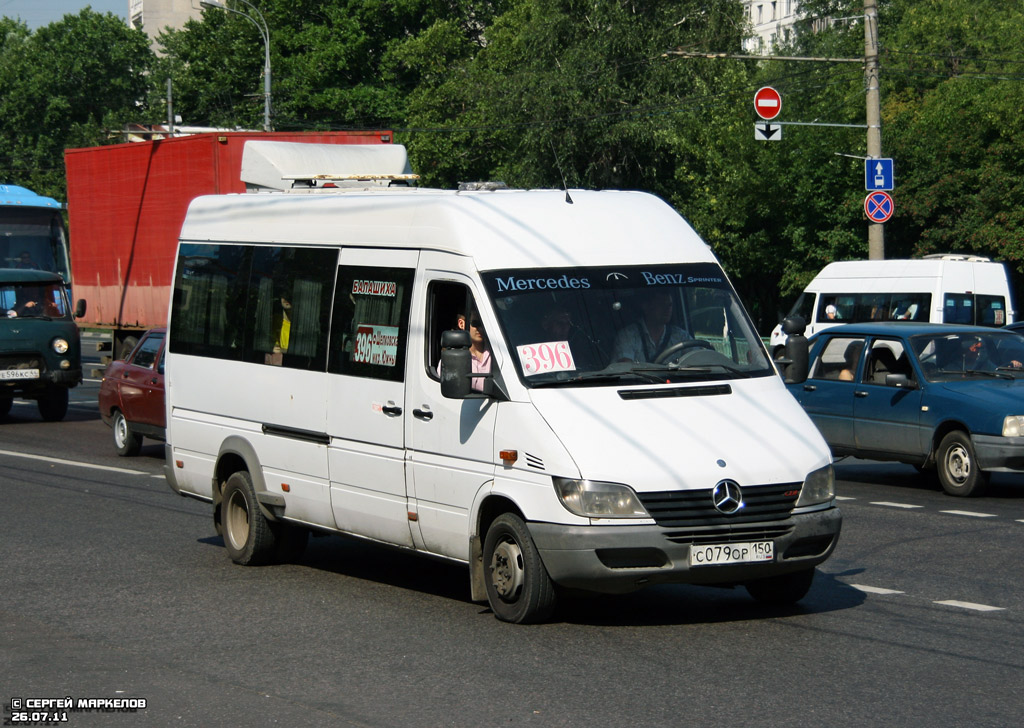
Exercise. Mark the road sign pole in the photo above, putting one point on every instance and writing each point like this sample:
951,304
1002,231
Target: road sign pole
876,232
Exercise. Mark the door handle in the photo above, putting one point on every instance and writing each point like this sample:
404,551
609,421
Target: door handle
391,409
860,393
423,414
810,387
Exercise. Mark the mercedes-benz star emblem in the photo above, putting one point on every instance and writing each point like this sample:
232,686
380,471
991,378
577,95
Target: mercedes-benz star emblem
727,497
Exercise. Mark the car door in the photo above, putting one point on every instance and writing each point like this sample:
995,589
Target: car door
142,382
888,418
451,441
366,393
828,394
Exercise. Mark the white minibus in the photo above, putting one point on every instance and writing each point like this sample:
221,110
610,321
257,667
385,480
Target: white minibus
942,288
601,416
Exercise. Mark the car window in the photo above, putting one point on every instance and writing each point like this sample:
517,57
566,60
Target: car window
146,353
838,359
887,356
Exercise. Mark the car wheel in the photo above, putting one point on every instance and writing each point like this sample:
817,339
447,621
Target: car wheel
783,589
53,405
126,441
519,589
247,534
957,465
5,405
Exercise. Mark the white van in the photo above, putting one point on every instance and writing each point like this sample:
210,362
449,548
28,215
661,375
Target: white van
943,288
555,446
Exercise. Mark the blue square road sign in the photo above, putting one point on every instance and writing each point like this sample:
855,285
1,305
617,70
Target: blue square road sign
878,174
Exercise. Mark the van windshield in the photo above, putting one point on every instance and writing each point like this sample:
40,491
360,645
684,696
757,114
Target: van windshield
632,324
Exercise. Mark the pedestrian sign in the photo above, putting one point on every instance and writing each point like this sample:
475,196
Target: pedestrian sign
878,206
878,174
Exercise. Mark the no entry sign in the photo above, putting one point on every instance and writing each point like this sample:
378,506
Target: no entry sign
767,103
878,206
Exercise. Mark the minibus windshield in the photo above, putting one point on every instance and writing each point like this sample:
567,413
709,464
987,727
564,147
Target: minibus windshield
627,324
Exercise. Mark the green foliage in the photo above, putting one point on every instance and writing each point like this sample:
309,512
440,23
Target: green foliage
62,86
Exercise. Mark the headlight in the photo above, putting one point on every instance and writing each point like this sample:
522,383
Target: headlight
1013,426
60,346
593,499
819,487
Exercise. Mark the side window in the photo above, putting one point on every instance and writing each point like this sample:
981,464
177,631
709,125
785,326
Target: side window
991,310
147,351
958,308
838,359
448,306
887,356
370,330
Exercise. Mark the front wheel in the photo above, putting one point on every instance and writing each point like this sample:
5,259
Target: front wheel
957,464
126,441
519,589
53,405
783,589
247,534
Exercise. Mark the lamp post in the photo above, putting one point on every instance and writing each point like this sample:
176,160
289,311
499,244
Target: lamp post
261,26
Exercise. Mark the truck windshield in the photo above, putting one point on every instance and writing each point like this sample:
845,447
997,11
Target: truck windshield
33,300
630,324
33,239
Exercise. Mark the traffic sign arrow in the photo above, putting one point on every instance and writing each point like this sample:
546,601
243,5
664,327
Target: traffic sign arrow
767,132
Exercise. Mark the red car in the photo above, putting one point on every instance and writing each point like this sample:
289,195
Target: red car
132,394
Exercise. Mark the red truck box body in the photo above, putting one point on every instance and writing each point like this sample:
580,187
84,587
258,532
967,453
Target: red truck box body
126,204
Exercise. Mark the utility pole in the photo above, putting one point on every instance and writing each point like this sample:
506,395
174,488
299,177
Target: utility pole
876,231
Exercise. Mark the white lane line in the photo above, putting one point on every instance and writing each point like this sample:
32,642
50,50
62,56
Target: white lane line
971,605
1020,520
875,589
72,462
894,505
972,514
845,497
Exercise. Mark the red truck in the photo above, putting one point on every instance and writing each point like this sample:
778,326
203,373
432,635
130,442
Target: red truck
126,203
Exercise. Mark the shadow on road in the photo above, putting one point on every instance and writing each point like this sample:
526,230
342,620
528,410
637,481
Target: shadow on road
909,479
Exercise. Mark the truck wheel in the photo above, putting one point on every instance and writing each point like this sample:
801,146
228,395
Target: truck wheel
247,534
783,589
958,468
519,589
126,441
5,405
129,343
53,405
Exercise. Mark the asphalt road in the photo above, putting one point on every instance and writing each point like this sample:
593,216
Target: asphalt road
113,587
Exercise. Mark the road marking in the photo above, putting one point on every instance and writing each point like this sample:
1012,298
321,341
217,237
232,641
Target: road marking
72,462
875,589
845,497
894,505
971,605
972,514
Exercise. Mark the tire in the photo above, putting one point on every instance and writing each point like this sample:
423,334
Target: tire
957,466
126,441
129,343
519,589
5,405
247,534
783,589
53,406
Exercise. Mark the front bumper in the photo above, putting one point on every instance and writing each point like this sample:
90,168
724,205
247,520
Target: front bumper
621,559
48,379
997,453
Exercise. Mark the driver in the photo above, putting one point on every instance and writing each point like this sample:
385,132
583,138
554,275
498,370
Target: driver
645,339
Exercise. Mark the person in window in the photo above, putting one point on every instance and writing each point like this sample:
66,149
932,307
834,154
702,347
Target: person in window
479,350
282,326
557,324
904,311
977,357
26,262
645,339
850,358
831,312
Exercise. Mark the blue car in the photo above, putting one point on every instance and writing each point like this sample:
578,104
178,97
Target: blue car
949,398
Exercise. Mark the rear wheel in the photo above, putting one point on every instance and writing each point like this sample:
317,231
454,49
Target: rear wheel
247,534
126,346
783,589
126,441
53,405
5,405
958,468
519,589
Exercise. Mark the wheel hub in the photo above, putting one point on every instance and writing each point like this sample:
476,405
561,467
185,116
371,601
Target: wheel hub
507,570
958,464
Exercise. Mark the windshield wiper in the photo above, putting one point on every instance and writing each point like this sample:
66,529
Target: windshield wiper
703,369
997,375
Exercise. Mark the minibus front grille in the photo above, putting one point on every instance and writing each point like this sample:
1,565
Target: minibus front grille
686,508
728,534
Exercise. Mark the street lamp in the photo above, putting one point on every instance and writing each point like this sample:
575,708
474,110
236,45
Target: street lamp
261,26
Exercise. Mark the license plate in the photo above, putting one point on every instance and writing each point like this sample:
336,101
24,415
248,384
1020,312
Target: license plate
19,374
732,553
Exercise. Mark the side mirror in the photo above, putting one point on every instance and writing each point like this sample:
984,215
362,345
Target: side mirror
899,380
80,308
795,361
456,364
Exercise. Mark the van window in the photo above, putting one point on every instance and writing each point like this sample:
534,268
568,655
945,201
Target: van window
861,307
261,304
970,308
371,322
448,306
